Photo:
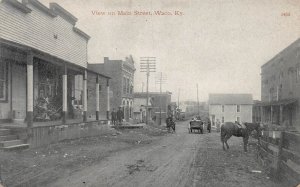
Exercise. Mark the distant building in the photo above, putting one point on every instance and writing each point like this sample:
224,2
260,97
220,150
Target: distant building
280,88
190,108
157,101
122,82
230,108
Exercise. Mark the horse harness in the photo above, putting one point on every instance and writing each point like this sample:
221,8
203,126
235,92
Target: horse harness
241,130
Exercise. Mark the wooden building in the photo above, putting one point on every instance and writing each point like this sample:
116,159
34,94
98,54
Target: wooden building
43,65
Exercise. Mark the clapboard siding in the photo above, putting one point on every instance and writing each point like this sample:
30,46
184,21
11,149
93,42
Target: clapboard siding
37,29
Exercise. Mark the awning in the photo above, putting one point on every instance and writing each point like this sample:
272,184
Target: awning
277,103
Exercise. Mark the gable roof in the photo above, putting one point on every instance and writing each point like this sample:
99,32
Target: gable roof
230,99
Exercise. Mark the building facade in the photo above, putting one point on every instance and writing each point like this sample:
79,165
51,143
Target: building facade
280,88
122,82
157,105
43,63
230,108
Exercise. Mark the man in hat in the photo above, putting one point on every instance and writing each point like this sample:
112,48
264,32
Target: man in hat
113,117
120,116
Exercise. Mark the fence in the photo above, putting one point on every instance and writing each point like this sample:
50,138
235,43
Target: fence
279,153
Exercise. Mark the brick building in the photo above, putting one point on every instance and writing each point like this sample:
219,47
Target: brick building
280,88
230,108
122,82
43,64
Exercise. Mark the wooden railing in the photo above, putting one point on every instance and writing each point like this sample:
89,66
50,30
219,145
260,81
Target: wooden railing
279,153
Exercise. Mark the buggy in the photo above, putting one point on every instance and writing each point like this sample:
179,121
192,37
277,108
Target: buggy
196,125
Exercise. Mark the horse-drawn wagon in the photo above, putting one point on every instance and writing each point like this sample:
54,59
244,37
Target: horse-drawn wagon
196,125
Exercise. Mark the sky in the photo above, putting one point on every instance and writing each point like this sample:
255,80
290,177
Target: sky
218,44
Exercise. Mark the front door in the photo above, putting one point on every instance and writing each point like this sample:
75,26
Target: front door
213,120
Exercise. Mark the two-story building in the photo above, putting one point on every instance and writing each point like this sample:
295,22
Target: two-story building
122,82
230,108
280,88
43,65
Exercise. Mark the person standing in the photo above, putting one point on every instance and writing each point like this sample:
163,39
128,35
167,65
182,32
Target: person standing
113,117
120,116
218,124
208,125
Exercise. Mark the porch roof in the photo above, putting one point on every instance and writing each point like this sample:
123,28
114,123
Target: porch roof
44,56
277,103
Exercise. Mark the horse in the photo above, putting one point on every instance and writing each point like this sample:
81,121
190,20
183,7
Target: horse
229,129
170,124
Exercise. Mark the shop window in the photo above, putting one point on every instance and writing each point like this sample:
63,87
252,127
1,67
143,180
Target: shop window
3,81
46,89
223,108
238,119
238,108
223,119
78,89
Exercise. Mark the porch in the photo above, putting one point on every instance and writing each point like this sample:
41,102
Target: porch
281,112
38,89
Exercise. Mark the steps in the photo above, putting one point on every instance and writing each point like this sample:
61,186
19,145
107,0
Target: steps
9,141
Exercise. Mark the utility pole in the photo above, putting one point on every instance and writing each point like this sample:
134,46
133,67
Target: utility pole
148,65
178,97
198,101
160,80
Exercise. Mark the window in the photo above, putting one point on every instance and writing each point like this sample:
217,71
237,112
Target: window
127,86
238,108
100,88
131,88
238,119
223,119
223,108
3,81
298,73
124,85
281,77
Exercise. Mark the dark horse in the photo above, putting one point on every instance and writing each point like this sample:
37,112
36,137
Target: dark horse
170,124
232,129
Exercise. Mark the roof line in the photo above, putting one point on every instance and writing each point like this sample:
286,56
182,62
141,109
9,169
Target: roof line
41,7
81,33
63,13
281,52
21,6
89,70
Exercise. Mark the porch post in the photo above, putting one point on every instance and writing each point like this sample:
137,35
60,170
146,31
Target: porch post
29,115
261,114
280,115
85,96
108,102
65,94
271,114
97,98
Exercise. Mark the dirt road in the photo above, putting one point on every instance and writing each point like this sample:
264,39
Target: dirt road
179,159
